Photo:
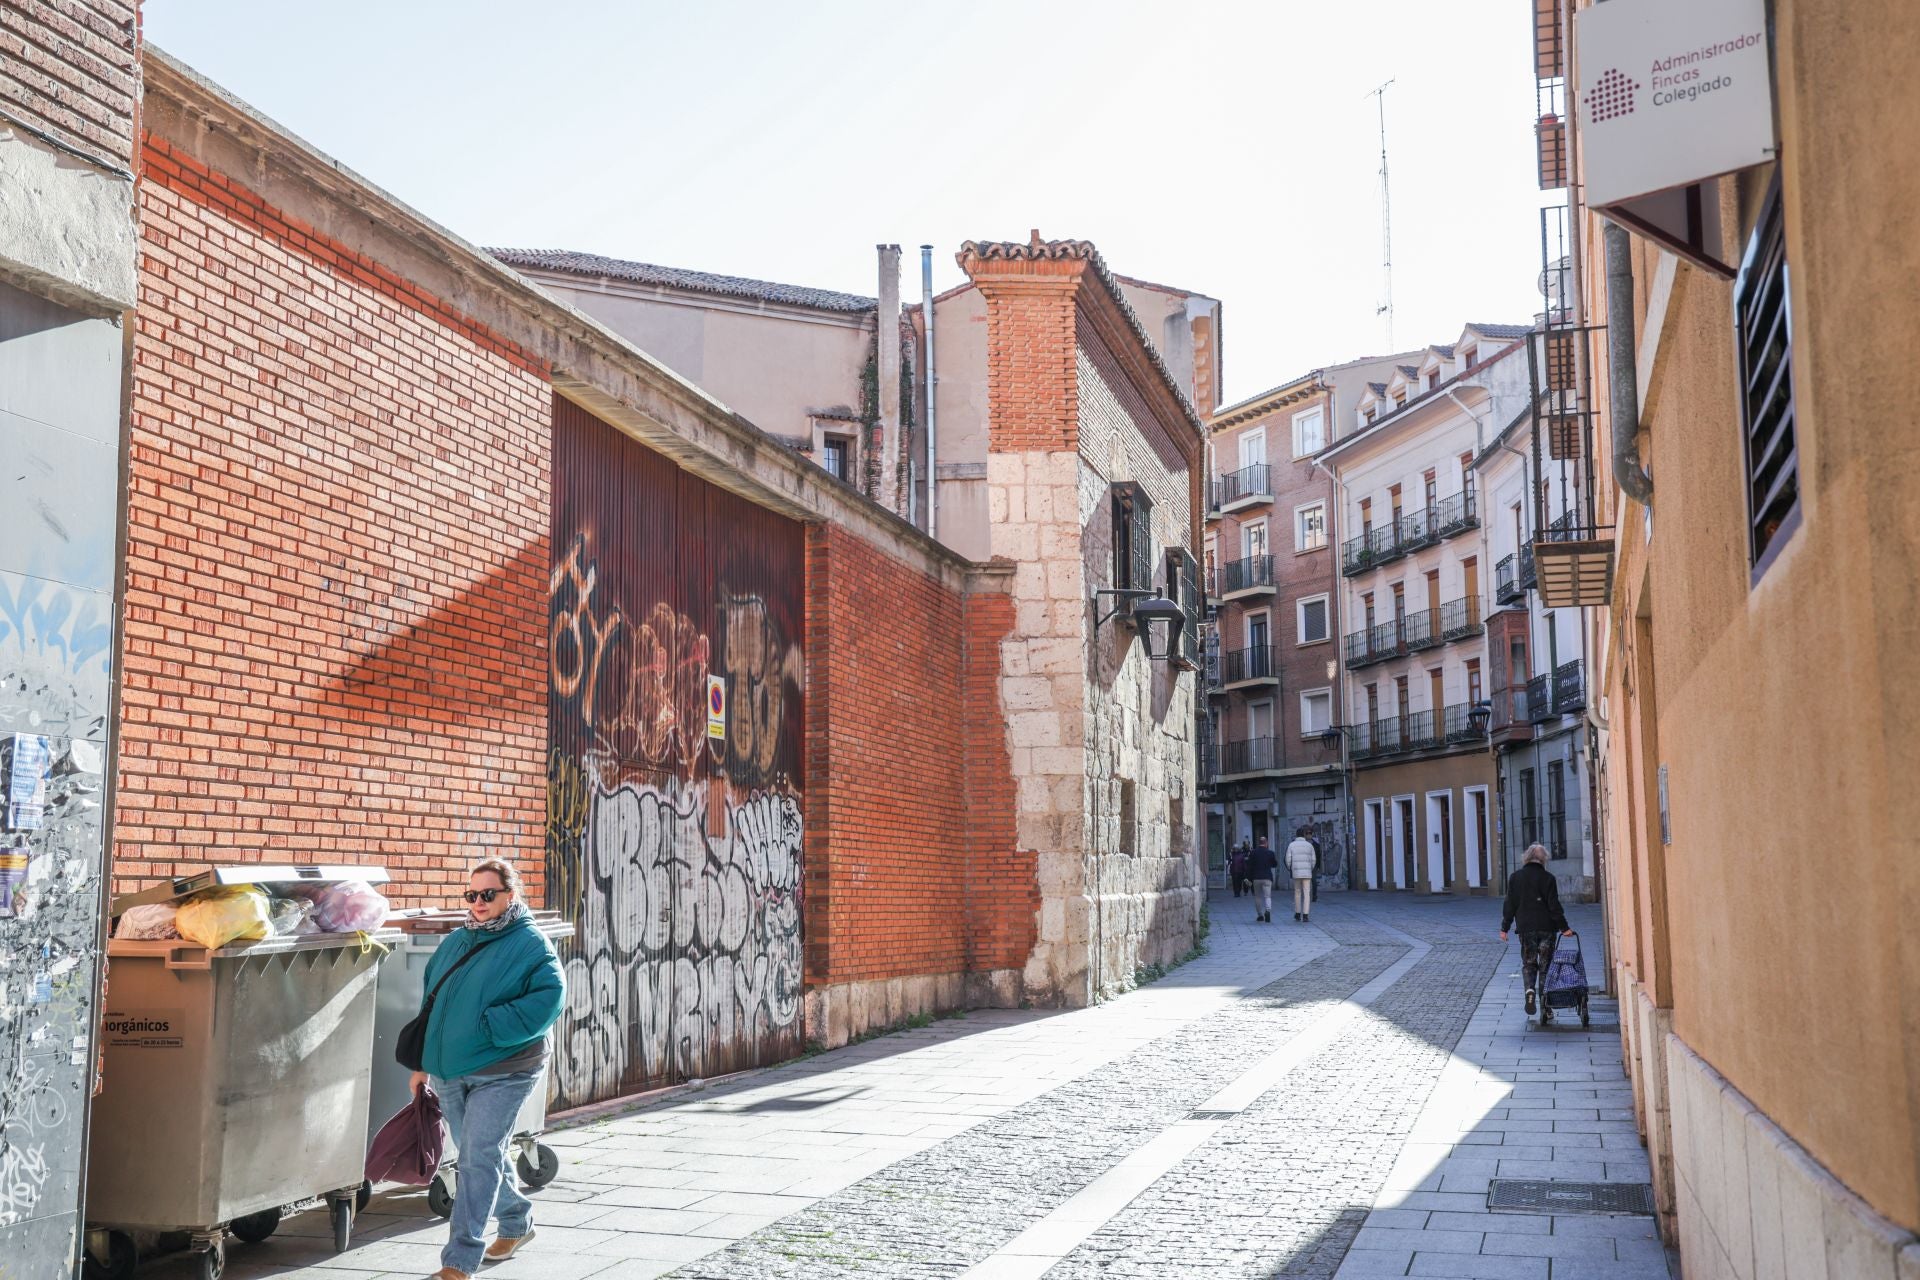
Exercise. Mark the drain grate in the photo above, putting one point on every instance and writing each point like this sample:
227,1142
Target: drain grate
1211,1115
1515,1195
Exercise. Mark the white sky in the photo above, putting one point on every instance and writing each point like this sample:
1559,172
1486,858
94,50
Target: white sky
1224,147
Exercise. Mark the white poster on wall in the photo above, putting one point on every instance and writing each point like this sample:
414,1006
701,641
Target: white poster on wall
1671,92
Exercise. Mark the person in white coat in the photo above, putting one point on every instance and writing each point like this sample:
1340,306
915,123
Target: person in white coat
1300,864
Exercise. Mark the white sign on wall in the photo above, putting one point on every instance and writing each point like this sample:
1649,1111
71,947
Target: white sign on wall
1671,92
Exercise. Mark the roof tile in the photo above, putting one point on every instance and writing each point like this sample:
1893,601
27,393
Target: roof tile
593,264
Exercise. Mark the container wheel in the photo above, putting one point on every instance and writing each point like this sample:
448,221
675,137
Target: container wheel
213,1260
440,1196
256,1227
341,1211
1586,1017
362,1198
542,1169
120,1258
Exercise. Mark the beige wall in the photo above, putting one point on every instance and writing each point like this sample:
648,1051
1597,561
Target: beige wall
768,363
1786,709
1454,775
960,421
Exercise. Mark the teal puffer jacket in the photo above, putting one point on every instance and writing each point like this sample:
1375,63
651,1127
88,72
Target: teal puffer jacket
499,1002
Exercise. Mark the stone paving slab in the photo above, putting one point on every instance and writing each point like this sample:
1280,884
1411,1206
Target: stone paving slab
919,1153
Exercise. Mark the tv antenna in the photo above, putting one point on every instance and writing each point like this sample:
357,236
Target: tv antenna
1386,219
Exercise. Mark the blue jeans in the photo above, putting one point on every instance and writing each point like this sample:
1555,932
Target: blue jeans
480,1113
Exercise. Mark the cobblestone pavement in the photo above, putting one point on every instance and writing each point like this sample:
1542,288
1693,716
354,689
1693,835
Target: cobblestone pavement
1306,1100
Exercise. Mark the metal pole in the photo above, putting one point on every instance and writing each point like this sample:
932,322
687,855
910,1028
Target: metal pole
926,314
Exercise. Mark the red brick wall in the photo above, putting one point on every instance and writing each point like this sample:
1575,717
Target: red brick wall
910,865
1032,383
336,607
67,69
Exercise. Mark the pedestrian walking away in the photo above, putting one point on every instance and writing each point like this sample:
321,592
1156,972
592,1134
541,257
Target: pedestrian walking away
1237,867
1533,903
1261,867
485,1053
1303,860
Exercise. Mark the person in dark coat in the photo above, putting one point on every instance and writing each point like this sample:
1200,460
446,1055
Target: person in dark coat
1533,903
1237,868
1262,866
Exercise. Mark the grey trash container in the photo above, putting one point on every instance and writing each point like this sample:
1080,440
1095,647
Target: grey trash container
401,989
235,1082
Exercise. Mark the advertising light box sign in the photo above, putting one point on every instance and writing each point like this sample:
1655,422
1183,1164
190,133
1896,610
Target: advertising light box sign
1671,92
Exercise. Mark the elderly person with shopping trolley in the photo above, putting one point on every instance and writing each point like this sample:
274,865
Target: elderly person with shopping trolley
1533,903
493,990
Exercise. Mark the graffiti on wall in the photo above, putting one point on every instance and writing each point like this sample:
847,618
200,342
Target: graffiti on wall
675,849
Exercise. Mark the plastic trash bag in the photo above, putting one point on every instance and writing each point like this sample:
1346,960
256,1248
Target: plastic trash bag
287,915
151,922
215,917
352,906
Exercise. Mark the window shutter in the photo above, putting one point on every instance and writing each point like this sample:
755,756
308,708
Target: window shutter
1313,621
1183,585
1765,332
1132,537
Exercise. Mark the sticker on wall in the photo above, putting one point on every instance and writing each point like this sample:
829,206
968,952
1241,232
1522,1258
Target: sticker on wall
28,760
13,874
717,708
1666,825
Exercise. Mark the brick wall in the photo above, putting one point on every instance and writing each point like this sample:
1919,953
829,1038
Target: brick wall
1030,362
336,600
67,69
909,865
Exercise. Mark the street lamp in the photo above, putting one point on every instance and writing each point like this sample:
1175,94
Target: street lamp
1143,609
1478,715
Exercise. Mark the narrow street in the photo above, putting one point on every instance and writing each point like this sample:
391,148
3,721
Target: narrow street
1321,1100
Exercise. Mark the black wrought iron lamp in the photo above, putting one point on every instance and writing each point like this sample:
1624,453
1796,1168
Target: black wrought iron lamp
1478,717
1143,609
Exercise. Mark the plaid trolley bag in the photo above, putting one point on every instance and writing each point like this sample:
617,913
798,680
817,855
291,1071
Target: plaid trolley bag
1565,985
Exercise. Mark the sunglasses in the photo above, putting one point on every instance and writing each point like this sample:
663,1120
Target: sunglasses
483,895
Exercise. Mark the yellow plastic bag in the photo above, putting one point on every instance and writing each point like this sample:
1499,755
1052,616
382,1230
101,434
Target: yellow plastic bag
215,917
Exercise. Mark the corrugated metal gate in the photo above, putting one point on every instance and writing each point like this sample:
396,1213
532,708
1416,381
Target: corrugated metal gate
676,853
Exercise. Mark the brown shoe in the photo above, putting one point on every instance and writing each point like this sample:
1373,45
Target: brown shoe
505,1247
449,1273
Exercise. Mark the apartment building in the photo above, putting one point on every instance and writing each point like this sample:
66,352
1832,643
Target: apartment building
1414,571
1272,756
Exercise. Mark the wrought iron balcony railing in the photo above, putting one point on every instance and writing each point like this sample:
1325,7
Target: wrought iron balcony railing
1540,699
1456,515
1248,574
1420,630
1254,482
1513,576
1457,725
1569,688
1253,755
1416,530
1373,548
1458,619
1256,663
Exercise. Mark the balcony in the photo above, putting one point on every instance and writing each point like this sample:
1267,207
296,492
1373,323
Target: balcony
1251,666
1419,731
1453,516
1252,575
1420,630
1458,619
1375,644
1250,486
1540,699
1513,576
1510,722
1457,727
1569,689
1417,530
1370,550
1254,755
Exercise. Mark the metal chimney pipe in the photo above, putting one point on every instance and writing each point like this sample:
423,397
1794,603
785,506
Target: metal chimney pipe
926,314
1623,374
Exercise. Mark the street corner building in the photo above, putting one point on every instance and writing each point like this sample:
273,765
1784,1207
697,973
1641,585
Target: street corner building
422,564
1746,567
67,285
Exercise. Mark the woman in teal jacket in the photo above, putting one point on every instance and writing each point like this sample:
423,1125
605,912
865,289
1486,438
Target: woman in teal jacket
486,1051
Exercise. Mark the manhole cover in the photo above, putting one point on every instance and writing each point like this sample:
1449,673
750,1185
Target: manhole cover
1514,1195
1211,1115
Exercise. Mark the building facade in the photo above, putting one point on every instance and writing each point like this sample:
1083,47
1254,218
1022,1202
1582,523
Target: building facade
1413,611
68,110
1272,759
1751,611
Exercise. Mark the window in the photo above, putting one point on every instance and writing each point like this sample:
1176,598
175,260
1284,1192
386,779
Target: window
1432,483
1529,811
1257,630
1366,515
1313,620
1253,447
1132,537
1433,378
1404,707
1518,670
1399,397
1468,357
834,456
1399,601
1764,330
1373,703
1310,527
1474,691
1309,432
1253,538
1366,604
1394,493
1556,809
1316,712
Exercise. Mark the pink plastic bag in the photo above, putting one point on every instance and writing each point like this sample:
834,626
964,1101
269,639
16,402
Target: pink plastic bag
407,1148
352,906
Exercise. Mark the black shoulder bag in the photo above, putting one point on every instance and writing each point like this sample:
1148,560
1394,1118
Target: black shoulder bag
410,1046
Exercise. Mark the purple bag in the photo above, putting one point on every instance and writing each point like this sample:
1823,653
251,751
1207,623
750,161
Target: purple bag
407,1148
